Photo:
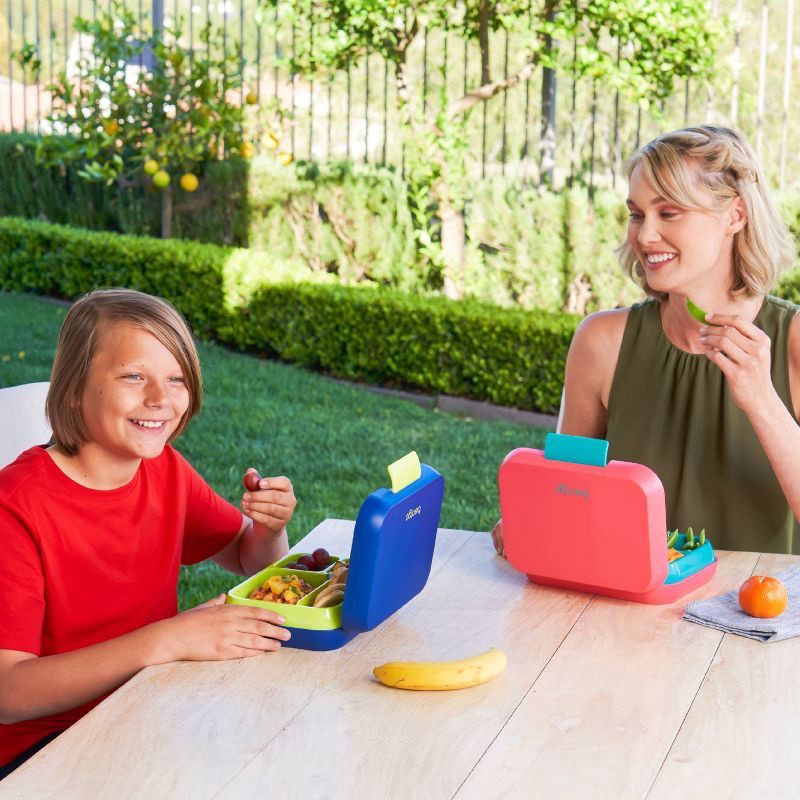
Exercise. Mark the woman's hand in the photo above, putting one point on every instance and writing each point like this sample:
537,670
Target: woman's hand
742,351
271,504
497,538
214,631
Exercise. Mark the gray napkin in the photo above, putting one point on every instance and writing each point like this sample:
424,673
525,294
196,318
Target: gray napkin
723,612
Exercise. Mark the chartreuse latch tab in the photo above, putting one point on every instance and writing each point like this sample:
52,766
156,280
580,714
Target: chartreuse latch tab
404,471
576,449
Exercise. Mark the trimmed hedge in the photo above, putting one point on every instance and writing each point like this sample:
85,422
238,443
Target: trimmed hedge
506,356
200,279
469,349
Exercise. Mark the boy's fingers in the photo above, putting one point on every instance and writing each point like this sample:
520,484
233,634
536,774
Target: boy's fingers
277,498
262,614
279,482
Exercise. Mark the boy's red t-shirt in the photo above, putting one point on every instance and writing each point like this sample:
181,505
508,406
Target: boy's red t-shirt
80,566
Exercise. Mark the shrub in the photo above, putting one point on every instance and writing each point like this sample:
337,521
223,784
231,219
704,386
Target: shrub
352,222
217,212
516,248
506,356
469,349
64,262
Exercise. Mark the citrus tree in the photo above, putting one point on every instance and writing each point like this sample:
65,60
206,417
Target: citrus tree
146,110
640,47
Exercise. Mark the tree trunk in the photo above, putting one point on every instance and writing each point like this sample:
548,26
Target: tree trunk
483,40
453,245
166,213
548,114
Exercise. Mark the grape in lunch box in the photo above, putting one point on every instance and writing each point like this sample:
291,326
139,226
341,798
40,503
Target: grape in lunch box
314,562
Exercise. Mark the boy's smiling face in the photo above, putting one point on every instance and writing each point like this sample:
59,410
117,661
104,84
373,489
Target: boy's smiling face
133,399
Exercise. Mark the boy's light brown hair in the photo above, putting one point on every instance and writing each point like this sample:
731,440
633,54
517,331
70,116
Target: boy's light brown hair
86,322
720,161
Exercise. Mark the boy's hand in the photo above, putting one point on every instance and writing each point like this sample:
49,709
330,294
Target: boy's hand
271,504
214,631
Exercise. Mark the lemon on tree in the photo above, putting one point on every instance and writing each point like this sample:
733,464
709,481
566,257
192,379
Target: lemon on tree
272,140
161,179
189,182
285,158
248,150
151,166
251,98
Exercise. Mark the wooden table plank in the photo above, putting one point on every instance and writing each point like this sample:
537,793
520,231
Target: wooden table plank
603,714
360,739
740,737
209,718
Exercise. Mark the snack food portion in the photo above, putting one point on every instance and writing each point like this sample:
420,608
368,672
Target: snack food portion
318,560
692,542
333,593
763,596
287,589
442,675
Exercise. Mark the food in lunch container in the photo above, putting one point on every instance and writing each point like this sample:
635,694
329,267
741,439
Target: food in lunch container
692,542
333,593
318,560
286,589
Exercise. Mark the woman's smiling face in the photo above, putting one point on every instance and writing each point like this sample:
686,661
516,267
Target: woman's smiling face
134,396
681,250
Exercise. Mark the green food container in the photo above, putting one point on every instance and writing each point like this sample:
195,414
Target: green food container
301,615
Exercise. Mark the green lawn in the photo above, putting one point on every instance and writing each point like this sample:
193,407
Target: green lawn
333,441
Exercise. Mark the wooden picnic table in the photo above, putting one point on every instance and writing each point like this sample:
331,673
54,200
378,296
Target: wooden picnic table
602,698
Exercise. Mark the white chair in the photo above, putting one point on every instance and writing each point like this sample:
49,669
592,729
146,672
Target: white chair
22,420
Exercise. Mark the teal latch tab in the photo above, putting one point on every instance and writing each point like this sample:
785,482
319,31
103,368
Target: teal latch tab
576,449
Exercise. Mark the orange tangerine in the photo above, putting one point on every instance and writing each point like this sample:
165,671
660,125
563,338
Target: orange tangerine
763,596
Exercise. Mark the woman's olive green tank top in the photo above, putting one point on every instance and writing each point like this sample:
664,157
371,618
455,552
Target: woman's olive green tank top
673,411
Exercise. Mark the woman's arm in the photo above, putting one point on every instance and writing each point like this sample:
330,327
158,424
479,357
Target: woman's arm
32,686
591,363
742,352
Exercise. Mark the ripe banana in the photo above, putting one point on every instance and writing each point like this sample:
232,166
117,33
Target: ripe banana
437,675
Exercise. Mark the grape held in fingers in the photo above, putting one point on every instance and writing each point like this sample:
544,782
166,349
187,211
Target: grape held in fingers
251,481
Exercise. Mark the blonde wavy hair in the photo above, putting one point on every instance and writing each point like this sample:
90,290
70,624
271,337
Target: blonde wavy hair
719,160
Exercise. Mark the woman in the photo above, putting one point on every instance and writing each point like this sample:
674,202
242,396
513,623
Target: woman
712,406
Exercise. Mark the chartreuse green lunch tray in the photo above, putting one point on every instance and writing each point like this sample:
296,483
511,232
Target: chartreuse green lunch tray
301,615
